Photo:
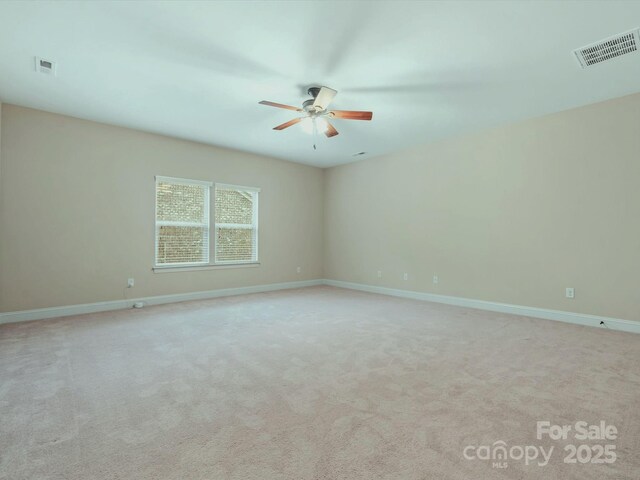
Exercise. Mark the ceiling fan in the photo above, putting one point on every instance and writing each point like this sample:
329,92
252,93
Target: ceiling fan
317,113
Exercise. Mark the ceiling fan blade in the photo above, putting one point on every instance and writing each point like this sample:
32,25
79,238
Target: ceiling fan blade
351,115
331,131
287,124
324,98
279,105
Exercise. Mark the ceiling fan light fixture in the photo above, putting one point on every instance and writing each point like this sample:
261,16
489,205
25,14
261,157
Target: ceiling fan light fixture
307,125
321,124
310,123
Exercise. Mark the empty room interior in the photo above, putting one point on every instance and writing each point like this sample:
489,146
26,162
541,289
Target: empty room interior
319,240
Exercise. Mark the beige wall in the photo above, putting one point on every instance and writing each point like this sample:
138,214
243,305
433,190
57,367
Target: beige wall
513,215
0,166
77,212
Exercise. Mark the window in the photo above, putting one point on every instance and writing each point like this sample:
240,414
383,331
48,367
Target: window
183,223
236,224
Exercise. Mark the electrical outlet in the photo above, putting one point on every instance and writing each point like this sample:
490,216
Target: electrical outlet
435,279
379,273
298,269
570,293
406,276
130,283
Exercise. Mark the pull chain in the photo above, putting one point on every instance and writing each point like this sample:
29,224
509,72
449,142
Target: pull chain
315,133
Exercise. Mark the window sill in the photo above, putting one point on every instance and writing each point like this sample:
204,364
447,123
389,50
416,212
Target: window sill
196,268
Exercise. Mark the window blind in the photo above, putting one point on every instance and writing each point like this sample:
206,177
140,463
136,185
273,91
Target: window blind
236,224
182,221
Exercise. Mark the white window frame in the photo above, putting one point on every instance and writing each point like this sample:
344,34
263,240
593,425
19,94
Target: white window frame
165,223
212,227
254,226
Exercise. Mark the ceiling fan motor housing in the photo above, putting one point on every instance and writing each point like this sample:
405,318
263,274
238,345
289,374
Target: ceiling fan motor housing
308,107
313,91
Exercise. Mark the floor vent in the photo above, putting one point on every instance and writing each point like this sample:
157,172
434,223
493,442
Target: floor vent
608,48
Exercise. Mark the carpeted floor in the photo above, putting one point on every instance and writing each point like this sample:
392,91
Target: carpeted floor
316,383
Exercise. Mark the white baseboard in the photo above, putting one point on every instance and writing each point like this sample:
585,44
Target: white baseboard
570,317
53,312
561,316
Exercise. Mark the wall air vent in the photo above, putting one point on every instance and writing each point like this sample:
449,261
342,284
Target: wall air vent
608,48
46,67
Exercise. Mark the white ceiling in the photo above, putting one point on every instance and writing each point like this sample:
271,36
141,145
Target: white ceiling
196,70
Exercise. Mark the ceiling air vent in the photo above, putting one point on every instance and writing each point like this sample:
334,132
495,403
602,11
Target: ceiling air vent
608,48
46,67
